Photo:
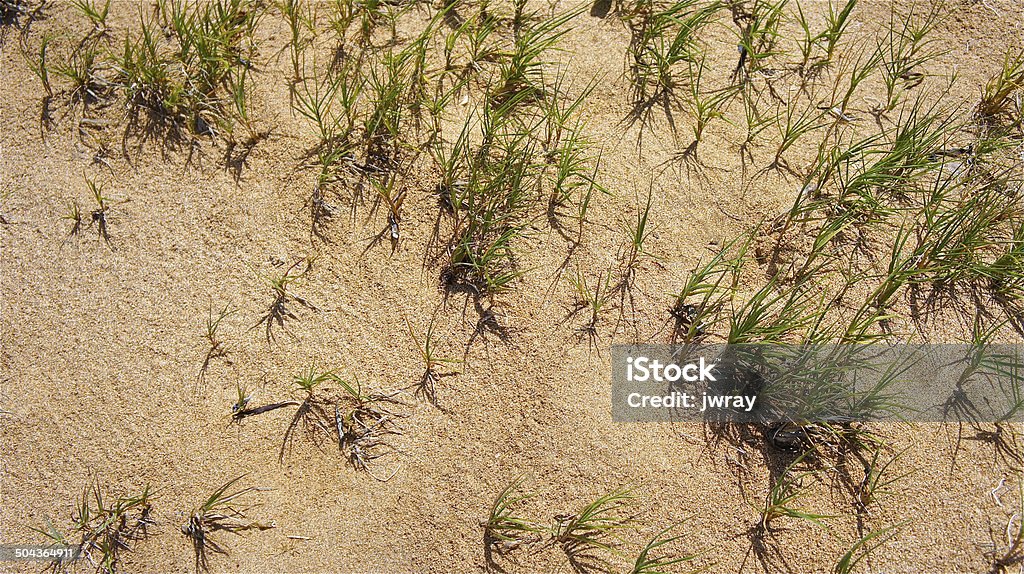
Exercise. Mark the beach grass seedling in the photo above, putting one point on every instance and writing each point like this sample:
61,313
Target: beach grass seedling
758,33
710,286
591,298
280,309
363,422
504,529
183,69
705,106
638,231
906,48
74,215
98,216
771,314
244,397
329,104
308,380
388,88
393,201
593,528
39,65
519,73
836,22
219,513
782,499
797,125
96,13
334,408
652,559
864,547
877,481
298,22
80,71
106,528
242,409
574,178
432,362
215,346
997,101
661,42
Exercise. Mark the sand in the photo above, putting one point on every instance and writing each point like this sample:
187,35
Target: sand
102,344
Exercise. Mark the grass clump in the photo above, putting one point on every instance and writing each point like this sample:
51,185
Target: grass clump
281,307
106,528
340,411
219,513
432,362
504,530
664,46
593,530
782,499
998,104
653,559
189,64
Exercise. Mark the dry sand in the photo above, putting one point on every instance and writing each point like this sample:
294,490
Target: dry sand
101,348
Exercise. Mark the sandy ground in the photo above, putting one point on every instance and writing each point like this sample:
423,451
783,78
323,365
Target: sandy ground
101,348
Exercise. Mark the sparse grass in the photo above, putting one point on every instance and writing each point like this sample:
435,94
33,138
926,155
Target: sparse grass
836,22
363,428
591,298
299,22
878,480
98,216
863,548
758,33
504,530
661,43
705,106
997,102
653,559
183,69
495,201
926,202
80,70
799,122
432,362
337,410
106,528
637,231
906,48
40,65
74,215
96,13
219,513
281,308
215,346
710,286
518,76
783,498
393,201
594,529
